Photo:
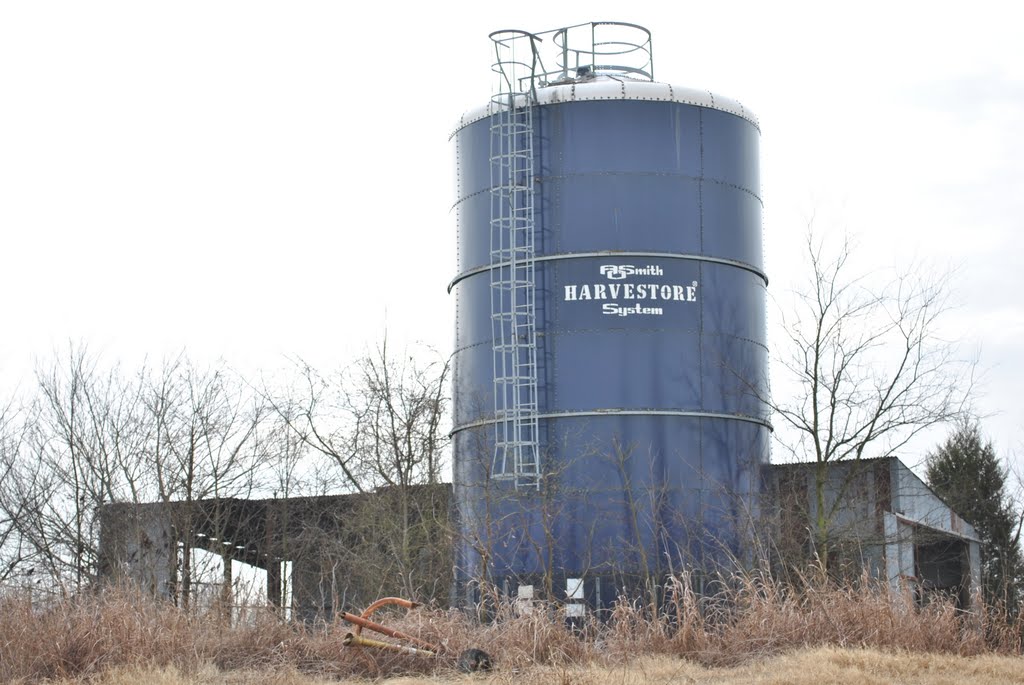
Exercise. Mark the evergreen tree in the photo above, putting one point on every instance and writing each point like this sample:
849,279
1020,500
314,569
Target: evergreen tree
966,473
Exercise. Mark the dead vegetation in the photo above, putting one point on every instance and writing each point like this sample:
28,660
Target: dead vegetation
115,636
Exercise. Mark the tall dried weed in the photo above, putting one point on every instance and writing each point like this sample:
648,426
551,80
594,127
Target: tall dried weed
750,617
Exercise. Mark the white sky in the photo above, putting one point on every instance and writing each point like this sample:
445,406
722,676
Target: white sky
257,179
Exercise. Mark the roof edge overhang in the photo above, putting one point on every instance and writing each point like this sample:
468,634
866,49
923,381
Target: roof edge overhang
610,88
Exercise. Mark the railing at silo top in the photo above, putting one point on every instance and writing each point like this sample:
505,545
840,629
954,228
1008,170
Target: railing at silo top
609,48
605,48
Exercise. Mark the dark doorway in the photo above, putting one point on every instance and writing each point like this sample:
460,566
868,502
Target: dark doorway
942,570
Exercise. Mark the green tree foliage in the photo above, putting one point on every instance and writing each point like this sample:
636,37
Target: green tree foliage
966,473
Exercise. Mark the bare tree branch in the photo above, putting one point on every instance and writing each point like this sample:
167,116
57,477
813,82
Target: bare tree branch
868,365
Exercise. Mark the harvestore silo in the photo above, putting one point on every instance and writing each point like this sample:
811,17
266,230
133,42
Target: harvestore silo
611,365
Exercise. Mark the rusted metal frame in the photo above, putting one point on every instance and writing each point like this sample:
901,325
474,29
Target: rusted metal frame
353,640
355,637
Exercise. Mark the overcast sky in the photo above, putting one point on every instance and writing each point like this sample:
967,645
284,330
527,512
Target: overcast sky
250,180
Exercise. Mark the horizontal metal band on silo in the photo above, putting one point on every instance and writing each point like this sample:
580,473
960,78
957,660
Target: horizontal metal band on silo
590,255
628,412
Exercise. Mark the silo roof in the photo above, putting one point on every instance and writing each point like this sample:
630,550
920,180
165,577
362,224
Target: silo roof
613,88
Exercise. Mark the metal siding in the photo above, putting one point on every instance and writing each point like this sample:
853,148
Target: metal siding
732,220
621,136
612,369
731,369
730,151
474,307
474,214
617,176
725,306
473,146
622,212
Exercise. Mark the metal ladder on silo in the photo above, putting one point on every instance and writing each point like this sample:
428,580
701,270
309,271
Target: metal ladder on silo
513,283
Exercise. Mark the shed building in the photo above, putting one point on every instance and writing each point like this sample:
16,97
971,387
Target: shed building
882,519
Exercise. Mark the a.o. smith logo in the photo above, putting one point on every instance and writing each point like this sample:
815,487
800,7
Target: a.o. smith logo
637,293
617,272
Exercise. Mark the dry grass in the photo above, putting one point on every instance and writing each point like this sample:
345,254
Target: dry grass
755,631
757,616
806,667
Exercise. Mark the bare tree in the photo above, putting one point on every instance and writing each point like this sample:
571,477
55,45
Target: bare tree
198,437
12,551
91,436
82,448
380,423
208,443
870,367
397,408
209,433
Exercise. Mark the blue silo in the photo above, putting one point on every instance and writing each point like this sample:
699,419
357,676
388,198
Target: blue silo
611,364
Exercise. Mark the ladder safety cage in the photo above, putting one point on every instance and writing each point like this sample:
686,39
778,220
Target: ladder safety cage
614,49
513,286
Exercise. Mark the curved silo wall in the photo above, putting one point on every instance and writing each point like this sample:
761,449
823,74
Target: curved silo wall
650,297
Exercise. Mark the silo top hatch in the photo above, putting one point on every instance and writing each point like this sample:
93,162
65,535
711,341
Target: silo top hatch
586,62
